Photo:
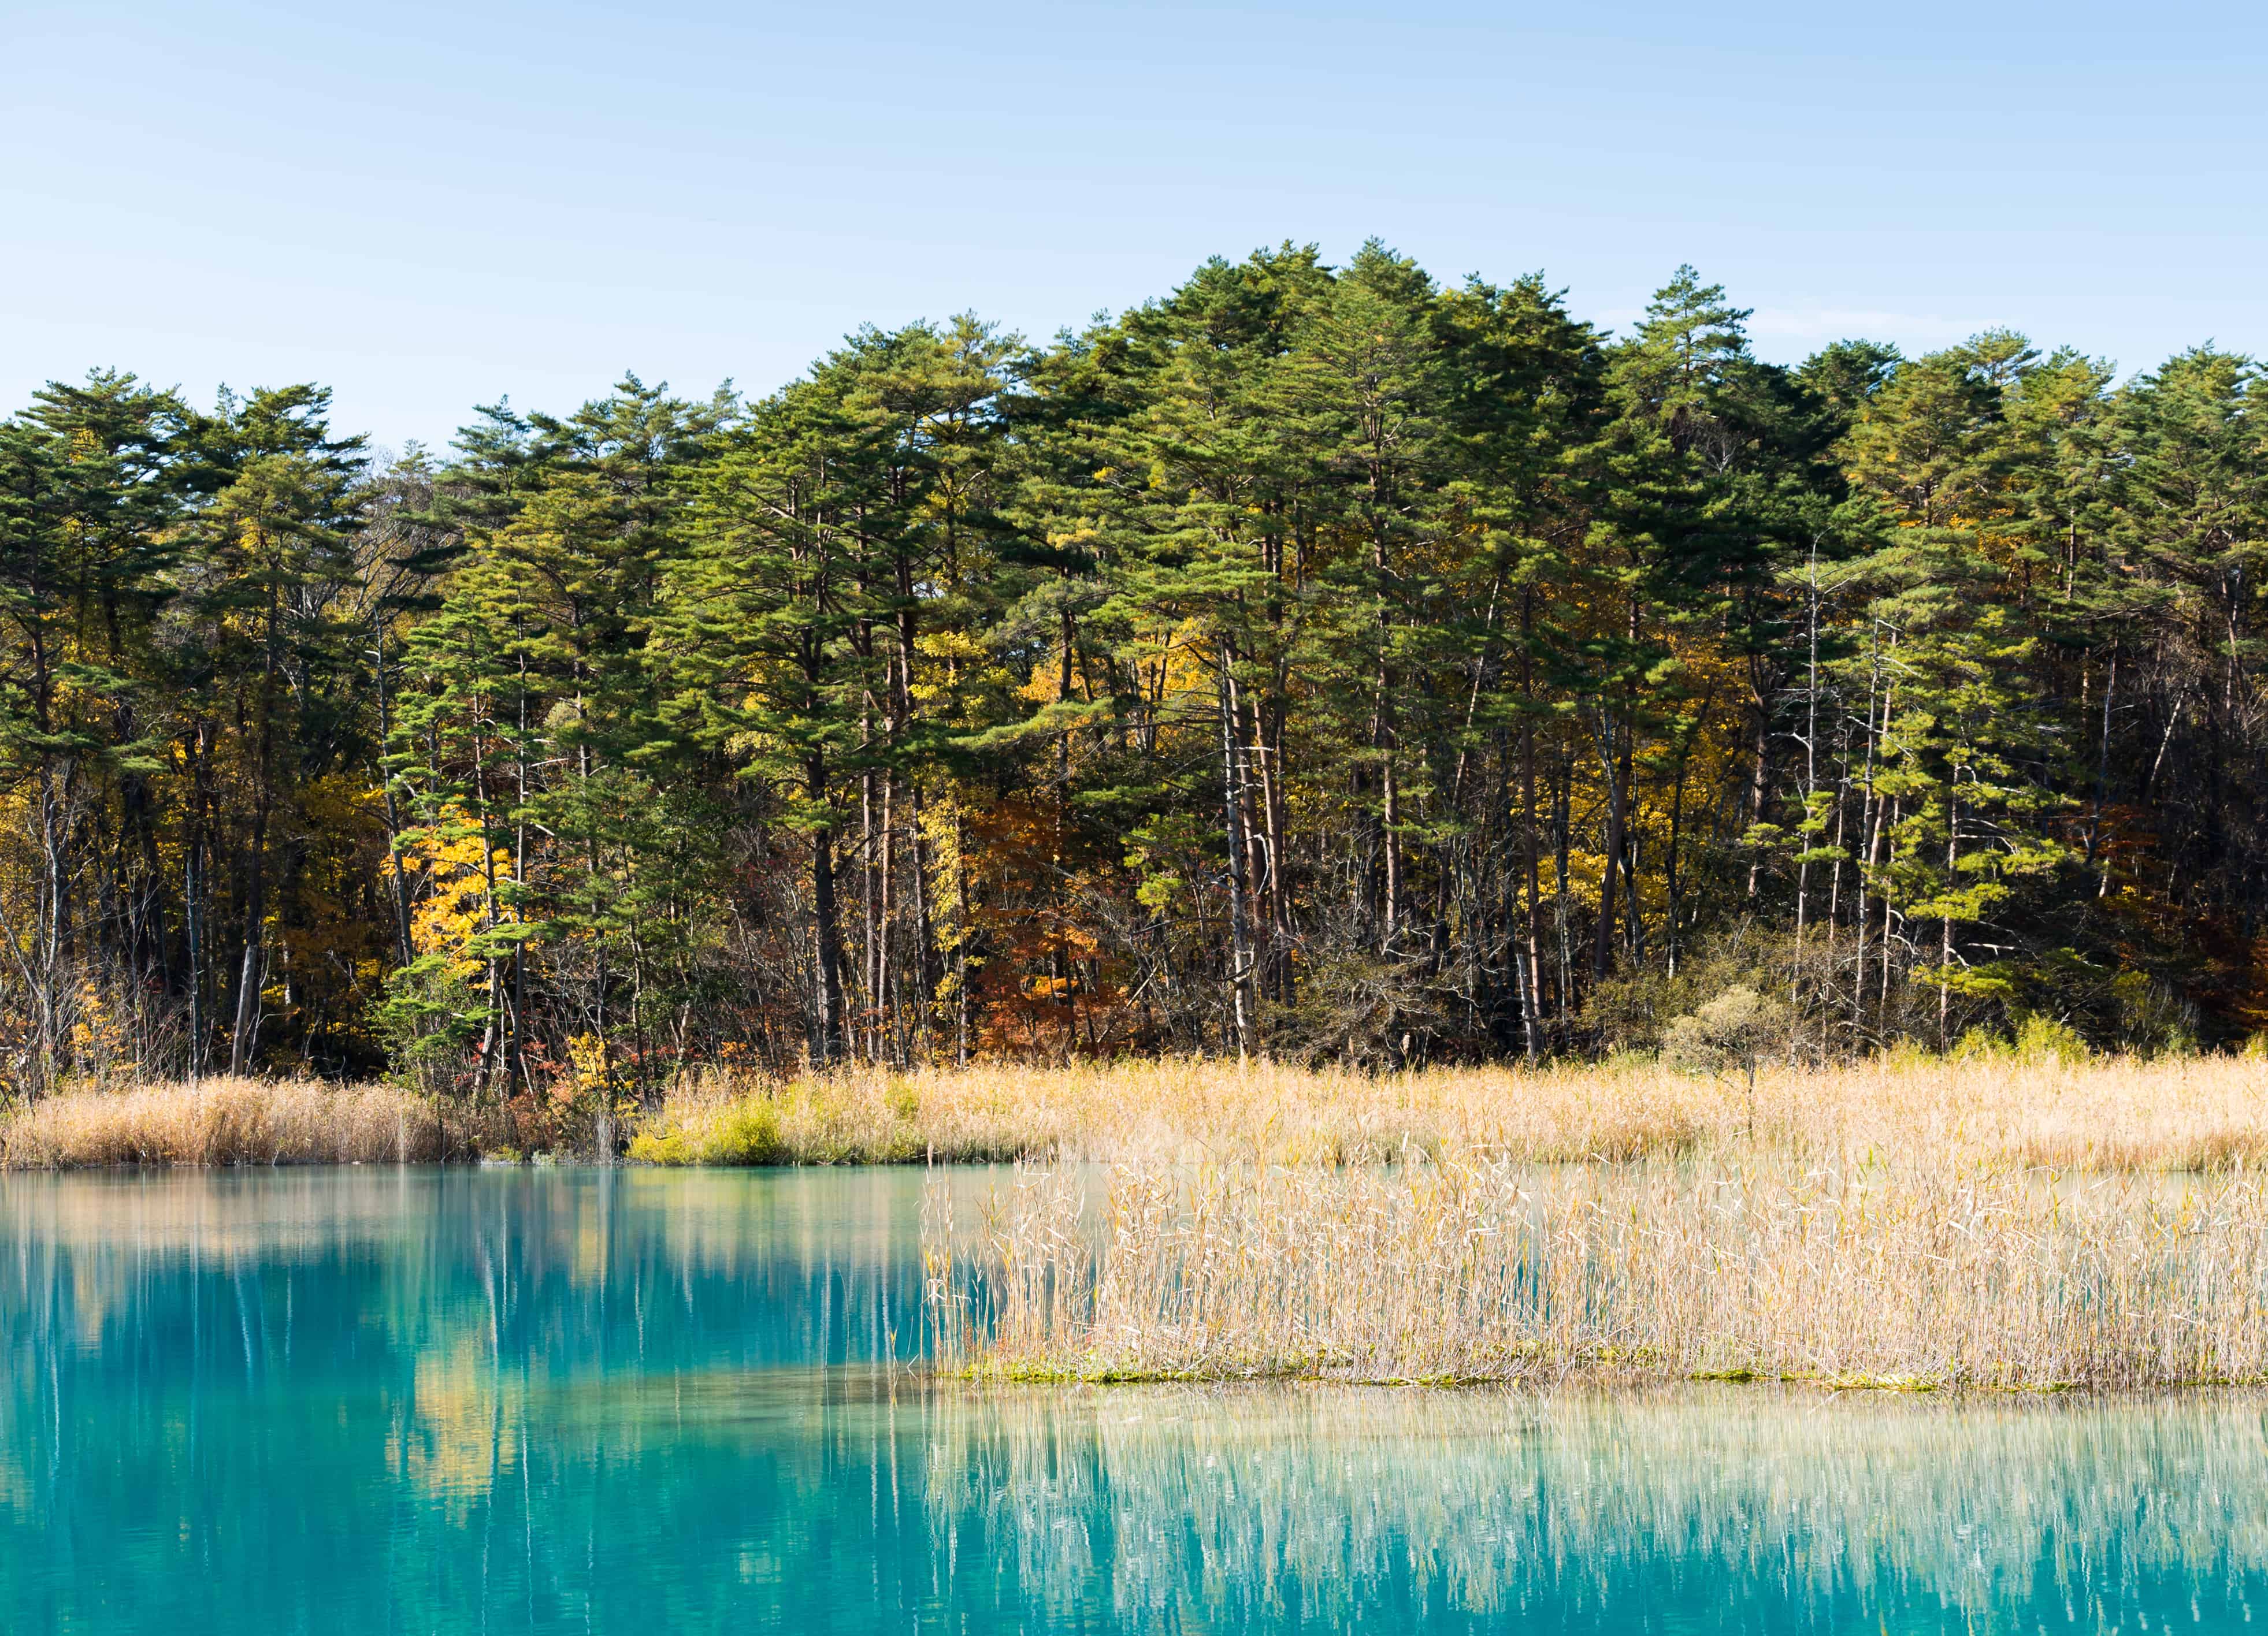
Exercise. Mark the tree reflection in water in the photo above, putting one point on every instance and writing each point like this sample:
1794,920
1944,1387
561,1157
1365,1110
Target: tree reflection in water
371,1401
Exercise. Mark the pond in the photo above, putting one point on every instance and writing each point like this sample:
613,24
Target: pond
418,1400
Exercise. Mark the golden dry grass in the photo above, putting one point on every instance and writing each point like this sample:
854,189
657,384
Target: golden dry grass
1470,1269
2176,1114
1996,1222
228,1121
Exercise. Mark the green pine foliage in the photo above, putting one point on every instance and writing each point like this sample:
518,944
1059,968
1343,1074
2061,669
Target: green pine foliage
1321,661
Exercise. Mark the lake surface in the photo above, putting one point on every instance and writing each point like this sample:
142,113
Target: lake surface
412,1401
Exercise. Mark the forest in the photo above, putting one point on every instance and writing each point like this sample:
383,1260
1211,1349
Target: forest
1328,663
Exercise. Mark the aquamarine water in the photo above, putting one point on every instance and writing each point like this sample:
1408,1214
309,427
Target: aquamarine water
412,1401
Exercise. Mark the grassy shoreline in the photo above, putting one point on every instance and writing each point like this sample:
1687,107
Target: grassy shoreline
2173,1115
2182,1114
229,1121
1998,1223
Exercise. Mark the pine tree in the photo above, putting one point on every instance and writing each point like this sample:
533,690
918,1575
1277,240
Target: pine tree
270,547
760,619
1969,746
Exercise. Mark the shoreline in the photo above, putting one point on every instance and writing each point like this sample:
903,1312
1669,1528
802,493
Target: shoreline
1996,1224
2179,1115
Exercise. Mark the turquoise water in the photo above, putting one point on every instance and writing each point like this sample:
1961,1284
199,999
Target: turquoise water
410,1401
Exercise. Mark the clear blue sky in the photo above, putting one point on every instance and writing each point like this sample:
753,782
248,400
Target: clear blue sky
430,206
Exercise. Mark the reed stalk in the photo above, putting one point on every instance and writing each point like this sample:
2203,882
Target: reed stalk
1467,1268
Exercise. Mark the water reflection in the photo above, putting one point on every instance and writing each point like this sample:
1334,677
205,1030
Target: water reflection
369,1401
1699,1508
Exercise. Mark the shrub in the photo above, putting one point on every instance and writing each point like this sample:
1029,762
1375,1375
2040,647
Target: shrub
746,1132
2041,1037
1736,1030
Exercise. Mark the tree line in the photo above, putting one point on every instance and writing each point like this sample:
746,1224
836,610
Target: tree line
1318,661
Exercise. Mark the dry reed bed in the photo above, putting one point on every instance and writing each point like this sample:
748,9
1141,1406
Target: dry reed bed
228,1121
2191,1114
1472,1268
2182,1114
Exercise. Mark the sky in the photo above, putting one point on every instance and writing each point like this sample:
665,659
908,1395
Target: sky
428,207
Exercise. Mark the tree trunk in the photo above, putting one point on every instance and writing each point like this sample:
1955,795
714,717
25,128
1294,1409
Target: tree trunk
827,1036
1239,948
256,896
1602,951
